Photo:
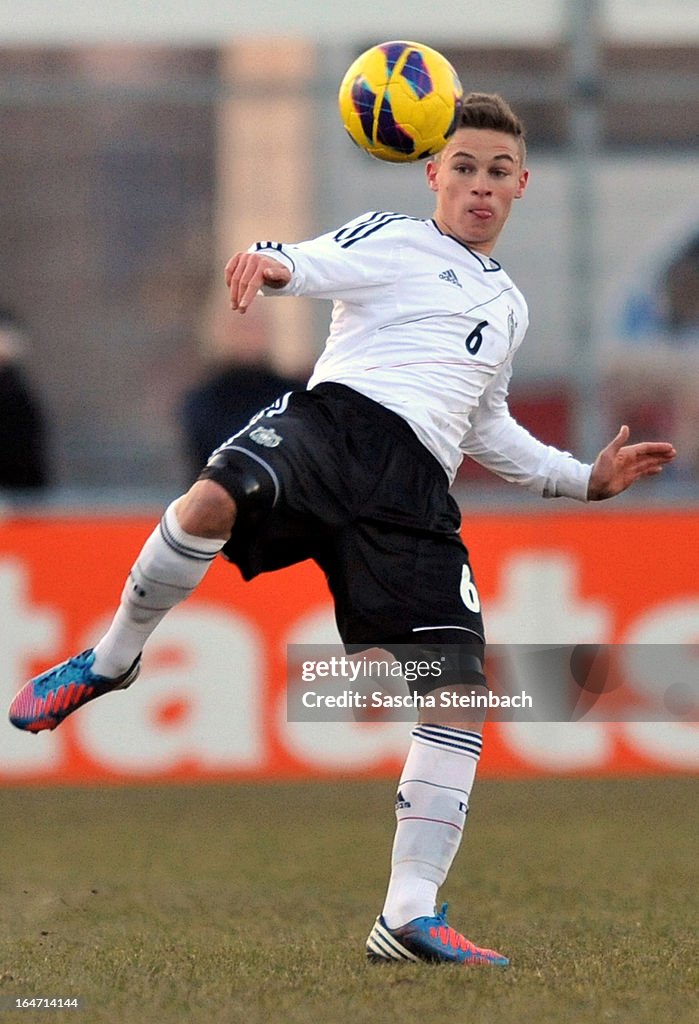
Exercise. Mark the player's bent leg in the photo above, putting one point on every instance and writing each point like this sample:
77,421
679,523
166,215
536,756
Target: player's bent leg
169,567
171,564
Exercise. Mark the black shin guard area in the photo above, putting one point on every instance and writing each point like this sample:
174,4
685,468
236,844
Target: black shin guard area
459,663
251,486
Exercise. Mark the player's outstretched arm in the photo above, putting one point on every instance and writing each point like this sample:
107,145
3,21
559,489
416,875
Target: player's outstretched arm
246,272
619,465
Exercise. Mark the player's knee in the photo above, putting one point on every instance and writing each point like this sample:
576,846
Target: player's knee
249,488
206,510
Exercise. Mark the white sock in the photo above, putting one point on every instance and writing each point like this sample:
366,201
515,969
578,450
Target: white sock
170,566
431,808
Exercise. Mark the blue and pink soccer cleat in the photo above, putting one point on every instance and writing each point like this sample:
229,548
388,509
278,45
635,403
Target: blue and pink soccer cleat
46,700
427,938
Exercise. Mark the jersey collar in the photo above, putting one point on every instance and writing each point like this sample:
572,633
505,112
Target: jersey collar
487,262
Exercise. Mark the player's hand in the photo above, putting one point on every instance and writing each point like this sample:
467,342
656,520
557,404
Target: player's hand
246,272
619,465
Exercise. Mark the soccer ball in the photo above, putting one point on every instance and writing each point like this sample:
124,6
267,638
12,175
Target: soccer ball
400,101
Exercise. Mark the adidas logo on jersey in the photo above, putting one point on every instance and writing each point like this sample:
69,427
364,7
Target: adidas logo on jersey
450,276
401,803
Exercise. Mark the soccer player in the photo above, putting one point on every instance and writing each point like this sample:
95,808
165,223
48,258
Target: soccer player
355,473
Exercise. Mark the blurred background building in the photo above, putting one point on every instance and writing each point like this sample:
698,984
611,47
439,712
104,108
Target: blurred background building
142,145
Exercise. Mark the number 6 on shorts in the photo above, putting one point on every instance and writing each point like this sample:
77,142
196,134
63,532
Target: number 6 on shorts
468,592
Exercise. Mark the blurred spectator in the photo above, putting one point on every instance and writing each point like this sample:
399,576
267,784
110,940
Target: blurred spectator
240,381
669,306
23,460
654,379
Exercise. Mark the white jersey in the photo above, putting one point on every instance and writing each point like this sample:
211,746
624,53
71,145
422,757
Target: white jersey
428,328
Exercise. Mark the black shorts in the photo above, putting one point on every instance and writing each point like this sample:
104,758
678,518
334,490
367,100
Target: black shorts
357,492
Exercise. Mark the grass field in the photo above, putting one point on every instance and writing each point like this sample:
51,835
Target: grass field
251,904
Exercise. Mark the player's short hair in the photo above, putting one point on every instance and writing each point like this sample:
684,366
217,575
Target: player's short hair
488,110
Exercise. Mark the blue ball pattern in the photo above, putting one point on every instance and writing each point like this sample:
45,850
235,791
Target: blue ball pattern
363,99
392,52
388,133
416,75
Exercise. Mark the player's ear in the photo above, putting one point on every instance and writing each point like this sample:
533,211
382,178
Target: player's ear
522,183
431,173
